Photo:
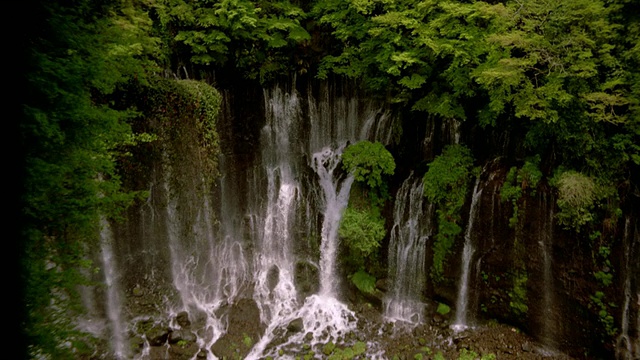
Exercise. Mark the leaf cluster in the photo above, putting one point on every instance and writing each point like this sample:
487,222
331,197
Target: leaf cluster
565,72
369,162
578,197
78,57
446,184
518,182
361,231
254,36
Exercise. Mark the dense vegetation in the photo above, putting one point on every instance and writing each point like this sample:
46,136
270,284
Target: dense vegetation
564,74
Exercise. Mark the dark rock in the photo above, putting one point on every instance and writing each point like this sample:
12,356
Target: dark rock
183,352
382,284
183,319
137,343
306,278
295,325
273,277
181,335
202,354
526,347
157,335
243,332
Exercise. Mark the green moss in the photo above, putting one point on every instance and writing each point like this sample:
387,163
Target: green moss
328,348
246,340
443,309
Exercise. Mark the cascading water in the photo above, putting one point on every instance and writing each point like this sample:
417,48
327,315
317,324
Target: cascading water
333,125
626,347
113,303
199,281
461,321
546,245
407,253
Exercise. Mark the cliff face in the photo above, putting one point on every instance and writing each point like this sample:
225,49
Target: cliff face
573,291
202,242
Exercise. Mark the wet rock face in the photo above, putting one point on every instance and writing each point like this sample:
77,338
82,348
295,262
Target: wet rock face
243,331
555,268
183,319
307,279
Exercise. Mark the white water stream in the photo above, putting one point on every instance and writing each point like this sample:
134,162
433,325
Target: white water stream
113,302
413,221
461,321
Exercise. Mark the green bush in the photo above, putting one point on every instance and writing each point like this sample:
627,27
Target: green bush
578,197
443,309
518,182
364,281
446,184
361,231
369,162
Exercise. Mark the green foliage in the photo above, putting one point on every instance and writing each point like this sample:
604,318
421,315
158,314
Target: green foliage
247,341
578,197
255,37
565,73
78,56
443,309
518,294
446,184
603,308
369,162
519,182
364,282
359,348
466,354
361,231
362,226
328,348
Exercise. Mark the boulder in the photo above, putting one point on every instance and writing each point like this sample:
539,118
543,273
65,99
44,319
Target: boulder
183,319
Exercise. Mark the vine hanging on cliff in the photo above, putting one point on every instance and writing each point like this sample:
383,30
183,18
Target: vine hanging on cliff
446,184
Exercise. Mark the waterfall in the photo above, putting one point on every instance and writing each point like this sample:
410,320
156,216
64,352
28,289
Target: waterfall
275,292
196,278
410,233
626,347
332,122
467,255
113,303
336,197
546,246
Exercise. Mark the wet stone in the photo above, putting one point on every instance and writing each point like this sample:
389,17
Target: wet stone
183,319
295,325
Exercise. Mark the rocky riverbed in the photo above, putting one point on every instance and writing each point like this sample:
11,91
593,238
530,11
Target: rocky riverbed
375,337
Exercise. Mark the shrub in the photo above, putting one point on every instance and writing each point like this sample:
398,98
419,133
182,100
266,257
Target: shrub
578,196
369,162
446,183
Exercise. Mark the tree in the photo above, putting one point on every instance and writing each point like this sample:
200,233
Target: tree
78,56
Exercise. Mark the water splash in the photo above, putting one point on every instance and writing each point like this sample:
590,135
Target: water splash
461,321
